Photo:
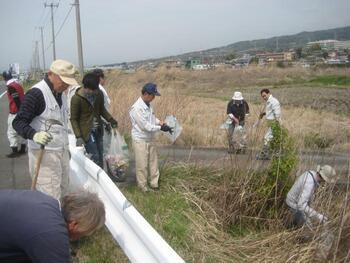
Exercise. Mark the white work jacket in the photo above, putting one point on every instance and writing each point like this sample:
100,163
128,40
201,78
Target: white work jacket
144,123
273,109
301,194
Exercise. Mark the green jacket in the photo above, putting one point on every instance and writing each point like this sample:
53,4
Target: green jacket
82,113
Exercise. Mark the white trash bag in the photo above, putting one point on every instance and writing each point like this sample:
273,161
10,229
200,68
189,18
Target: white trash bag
227,124
172,122
117,157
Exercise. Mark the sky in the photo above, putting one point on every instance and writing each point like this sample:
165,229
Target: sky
115,31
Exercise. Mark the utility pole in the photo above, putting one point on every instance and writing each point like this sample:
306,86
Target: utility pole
80,45
42,48
52,5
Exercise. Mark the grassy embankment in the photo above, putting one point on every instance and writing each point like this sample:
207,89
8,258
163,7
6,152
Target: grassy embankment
215,215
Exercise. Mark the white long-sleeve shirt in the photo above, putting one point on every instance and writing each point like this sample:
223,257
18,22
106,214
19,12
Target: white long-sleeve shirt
273,108
107,100
144,123
301,194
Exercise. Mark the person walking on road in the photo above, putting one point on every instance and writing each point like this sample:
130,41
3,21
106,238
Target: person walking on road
237,109
144,127
100,74
44,102
302,192
37,228
15,96
272,113
87,107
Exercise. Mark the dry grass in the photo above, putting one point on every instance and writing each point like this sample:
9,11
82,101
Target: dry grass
201,119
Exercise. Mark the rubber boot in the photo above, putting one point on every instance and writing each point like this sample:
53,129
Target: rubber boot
23,149
14,153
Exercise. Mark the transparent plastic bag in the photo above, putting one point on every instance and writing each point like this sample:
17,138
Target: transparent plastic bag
117,157
172,122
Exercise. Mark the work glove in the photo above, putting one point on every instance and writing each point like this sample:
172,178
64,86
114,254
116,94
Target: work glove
114,125
166,128
42,137
108,127
262,115
80,142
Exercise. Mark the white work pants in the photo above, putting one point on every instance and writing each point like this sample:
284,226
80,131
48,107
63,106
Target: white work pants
53,178
268,137
146,160
14,139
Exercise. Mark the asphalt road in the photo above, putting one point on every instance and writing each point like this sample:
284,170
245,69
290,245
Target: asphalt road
14,172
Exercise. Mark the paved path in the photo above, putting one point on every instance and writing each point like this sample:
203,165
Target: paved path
13,172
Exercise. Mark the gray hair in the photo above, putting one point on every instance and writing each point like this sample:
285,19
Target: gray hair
86,209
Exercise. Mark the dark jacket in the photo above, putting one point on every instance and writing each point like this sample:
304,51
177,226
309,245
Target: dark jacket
82,114
239,109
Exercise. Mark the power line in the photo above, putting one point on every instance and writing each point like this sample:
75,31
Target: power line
64,21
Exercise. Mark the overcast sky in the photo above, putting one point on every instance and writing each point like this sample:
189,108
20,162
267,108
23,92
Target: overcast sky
117,31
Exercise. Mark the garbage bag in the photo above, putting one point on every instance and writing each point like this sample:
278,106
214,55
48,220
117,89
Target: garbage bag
172,122
227,124
117,157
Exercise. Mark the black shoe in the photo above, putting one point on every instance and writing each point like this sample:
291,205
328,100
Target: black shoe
14,153
23,149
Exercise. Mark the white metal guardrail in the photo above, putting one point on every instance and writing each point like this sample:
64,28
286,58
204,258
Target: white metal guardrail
137,238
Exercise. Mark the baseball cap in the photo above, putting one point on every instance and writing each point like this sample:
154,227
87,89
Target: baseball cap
65,70
151,88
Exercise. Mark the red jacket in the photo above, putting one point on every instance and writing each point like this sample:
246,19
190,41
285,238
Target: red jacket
15,95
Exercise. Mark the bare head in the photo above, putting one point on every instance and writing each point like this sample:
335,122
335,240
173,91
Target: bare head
265,94
100,74
61,75
83,212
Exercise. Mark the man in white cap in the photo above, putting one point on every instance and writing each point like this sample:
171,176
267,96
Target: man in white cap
42,119
301,194
237,109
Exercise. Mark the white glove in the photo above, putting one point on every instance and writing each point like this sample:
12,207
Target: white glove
323,219
231,116
42,137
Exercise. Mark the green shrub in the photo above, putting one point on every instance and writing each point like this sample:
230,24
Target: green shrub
331,80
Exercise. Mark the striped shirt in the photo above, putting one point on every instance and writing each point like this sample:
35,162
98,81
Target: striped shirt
33,105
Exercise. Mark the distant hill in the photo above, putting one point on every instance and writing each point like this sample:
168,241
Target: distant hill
268,44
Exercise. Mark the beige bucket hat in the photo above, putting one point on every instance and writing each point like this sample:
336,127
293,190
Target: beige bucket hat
327,173
65,70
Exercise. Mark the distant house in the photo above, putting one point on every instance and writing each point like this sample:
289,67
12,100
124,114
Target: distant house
192,63
277,56
328,44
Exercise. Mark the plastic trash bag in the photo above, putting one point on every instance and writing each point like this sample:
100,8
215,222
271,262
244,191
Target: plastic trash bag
227,124
117,157
172,122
